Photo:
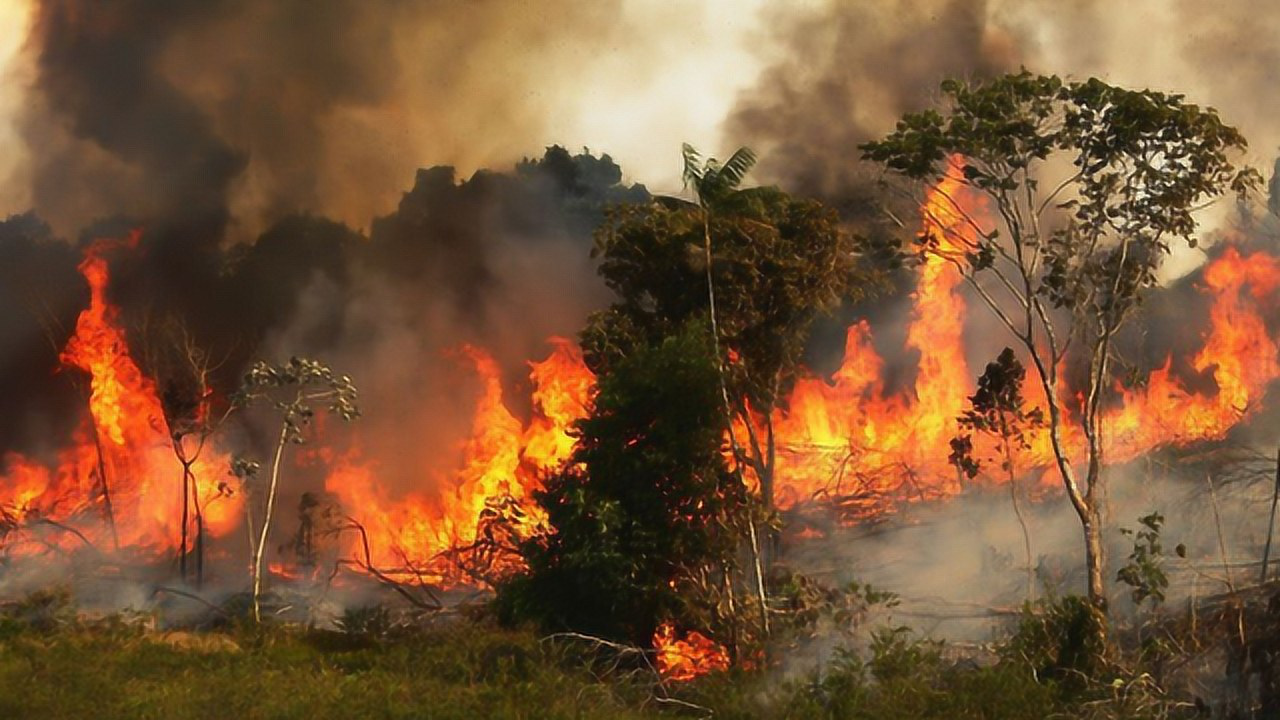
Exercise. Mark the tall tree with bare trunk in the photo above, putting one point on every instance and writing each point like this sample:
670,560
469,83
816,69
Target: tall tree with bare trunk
1088,186
294,390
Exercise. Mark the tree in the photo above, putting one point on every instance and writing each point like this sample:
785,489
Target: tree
999,411
645,519
713,183
1090,184
770,264
294,389
183,374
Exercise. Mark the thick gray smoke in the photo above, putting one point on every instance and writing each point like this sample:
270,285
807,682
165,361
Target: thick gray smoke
244,112
842,73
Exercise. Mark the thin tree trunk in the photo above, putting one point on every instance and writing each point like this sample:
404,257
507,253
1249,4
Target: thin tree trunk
1094,558
261,545
728,414
764,608
1081,500
1271,523
108,510
180,451
199,543
1017,510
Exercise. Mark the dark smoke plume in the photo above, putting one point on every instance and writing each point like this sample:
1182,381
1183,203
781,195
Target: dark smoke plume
200,113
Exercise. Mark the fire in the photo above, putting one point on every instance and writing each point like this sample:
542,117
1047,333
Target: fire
848,439
686,658
119,482
852,439
1238,351
503,459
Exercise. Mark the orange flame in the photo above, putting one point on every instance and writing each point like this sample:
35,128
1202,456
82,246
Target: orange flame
125,438
1238,352
687,658
851,439
502,459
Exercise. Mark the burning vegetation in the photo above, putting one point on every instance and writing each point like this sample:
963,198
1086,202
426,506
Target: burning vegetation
649,490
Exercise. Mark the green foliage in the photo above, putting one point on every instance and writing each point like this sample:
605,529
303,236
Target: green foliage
645,516
294,388
711,180
1145,570
778,262
117,668
804,608
997,409
906,678
113,670
1086,185
45,610
1143,163
372,620
1061,640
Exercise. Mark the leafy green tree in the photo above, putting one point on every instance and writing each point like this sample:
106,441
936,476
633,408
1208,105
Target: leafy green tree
769,263
1089,185
294,390
645,520
999,411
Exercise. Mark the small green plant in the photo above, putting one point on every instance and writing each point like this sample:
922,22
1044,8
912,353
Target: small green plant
805,607
371,620
1060,640
1144,572
43,610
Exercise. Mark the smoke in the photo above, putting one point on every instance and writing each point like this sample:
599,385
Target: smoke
840,74
265,147
240,112
959,566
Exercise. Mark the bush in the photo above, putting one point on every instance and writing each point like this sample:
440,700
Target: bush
645,519
1061,640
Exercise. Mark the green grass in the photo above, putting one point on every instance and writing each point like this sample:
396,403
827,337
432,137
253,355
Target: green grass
116,671
54,665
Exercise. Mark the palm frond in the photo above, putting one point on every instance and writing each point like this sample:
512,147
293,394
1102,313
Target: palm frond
693,168
735,170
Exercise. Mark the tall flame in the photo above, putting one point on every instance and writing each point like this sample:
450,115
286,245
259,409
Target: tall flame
121,467
849,438
503,459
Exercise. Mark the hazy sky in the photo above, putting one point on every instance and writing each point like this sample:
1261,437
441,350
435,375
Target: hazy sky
334,110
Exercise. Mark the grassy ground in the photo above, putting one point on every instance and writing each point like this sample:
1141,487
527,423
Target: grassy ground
118,671
54,664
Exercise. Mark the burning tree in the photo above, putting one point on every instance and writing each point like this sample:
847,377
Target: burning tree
182,371
1091,184
294,389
